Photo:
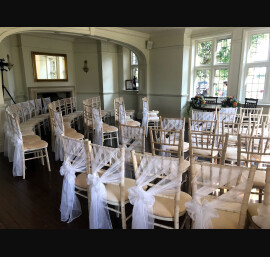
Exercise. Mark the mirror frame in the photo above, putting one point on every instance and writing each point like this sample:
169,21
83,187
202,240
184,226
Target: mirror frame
50,54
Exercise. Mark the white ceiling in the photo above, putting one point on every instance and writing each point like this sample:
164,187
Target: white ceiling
150,30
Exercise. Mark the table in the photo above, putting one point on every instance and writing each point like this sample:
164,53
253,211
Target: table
208,107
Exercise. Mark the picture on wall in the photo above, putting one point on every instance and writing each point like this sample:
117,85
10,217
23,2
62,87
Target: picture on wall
129,84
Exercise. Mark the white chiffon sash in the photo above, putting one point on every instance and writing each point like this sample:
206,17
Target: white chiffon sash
122,114
99,217
70,207
145,118
97,139
263,218
18,156
200,209
143,201
58,144
8,143
75,162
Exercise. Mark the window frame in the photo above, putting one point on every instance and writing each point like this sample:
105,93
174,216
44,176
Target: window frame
132,66
245,65
48,54
213,66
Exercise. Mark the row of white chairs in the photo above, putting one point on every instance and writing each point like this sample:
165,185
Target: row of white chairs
64,117
20,138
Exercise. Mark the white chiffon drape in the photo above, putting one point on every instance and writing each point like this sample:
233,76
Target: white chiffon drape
99,217
150,168
97,125
17,142
202,211
134,137
58,131
145,117
8,142
75,161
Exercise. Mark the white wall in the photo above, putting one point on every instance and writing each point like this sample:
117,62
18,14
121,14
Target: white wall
166,58
87,84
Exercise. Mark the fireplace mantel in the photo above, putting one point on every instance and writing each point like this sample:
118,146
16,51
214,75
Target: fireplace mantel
33,91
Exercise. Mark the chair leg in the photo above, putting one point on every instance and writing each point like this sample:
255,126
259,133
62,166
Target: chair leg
117,141
117,207
123,216
41,157
47,159
44,127
260,195
23,166
111,139
39,131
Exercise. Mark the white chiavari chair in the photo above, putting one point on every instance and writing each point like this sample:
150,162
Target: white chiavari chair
157,195
209,210
25,146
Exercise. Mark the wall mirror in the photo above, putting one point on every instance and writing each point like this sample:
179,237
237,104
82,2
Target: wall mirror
49,67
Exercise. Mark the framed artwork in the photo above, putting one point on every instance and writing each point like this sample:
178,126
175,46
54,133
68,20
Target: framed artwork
129,84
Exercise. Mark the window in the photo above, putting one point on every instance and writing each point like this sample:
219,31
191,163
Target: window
135,68
49,67
211,71
256,62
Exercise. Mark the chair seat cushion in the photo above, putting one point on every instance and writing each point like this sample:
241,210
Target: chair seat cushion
186,146
225,219
253,209
231,154
27,132
164,207
108,129
113,191
205,152
133,123
151,119
74,135
37,144
29,138
69,130
67,118
81,180
259,179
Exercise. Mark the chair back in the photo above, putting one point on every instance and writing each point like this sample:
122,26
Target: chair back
113,159
253,150
250,103
208,126
75,161
207,179
45,102
211,99
262,219
172,123
205,146
167,142
133,137
150,184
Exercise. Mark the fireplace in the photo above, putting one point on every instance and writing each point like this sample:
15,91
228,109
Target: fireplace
54,93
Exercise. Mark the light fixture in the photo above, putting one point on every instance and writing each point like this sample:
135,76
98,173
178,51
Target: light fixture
9,65
85,67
